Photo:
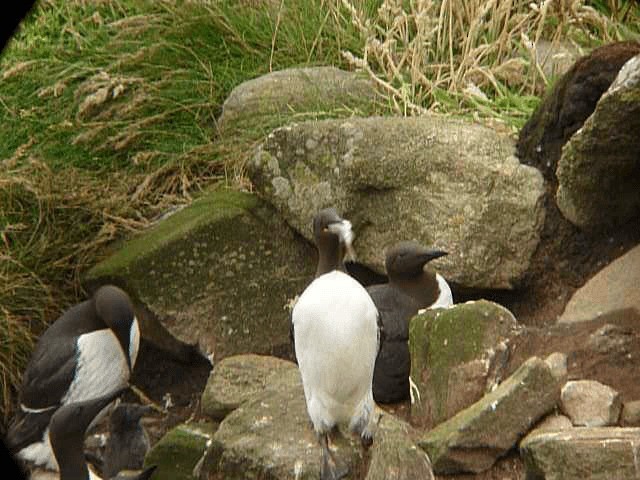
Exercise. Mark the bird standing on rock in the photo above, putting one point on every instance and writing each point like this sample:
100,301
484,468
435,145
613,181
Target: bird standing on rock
336,335
88,352
411,288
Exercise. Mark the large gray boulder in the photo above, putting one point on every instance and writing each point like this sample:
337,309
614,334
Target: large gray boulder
272,99
583,453
476,437
457,355
239,378
599,170
614,288
216,274
440,181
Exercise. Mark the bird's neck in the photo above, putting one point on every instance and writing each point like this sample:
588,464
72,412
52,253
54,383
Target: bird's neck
423,288
330,256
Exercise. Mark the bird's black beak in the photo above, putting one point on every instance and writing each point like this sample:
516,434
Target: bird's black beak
431,254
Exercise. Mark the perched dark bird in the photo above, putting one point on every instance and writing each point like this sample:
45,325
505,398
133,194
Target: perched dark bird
411,287
128,443
88,352
67,431
336,340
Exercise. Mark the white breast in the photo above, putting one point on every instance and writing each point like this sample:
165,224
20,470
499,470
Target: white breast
101,367
336,340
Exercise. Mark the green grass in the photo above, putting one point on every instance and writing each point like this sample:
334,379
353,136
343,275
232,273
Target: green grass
108,114
108,111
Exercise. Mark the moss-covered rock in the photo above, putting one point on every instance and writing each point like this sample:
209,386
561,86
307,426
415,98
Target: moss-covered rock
441,181
476,437
457,354
272,98
217,273
239,378
583,453
177,454
599,170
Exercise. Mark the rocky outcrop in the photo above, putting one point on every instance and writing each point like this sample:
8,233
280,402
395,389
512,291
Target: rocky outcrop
476,437
590,404
599,170
214,275
266,432
580,453
452,184
571,101
179,453
457,355
614,288
271,100
239,378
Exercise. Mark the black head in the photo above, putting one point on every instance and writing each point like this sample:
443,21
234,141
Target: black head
115,309
407,259
333,237
126,416
67,430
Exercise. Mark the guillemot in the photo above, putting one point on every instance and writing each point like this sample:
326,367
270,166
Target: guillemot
411,288
336,335
128,442
87,352
67,430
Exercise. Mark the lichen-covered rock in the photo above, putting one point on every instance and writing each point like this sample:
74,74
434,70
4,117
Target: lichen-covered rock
599,170
218,274
476,437
583,453
457,355
239,378
441,181
571,101
273,98
395,456
178,453
591,404
614,288
271,436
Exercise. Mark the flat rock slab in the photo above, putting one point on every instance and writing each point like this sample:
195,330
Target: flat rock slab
583,454
599,170
590,404
476,437
239,378
274,98
179,452
613,288
217,274
457,355
452,184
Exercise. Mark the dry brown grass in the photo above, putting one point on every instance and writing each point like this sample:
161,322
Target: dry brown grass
419,48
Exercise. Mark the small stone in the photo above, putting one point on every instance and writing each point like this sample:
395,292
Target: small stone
590,404
557,362
630,416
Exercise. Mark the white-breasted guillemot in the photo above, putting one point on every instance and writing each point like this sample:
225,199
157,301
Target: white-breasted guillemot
336,336
87,352
411,288
67,430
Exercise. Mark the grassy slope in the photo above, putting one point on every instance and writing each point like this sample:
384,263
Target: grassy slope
108,109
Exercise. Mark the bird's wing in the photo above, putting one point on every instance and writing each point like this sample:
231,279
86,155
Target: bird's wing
49,373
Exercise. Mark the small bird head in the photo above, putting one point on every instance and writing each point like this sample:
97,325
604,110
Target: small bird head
329,227
407,259
126,416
